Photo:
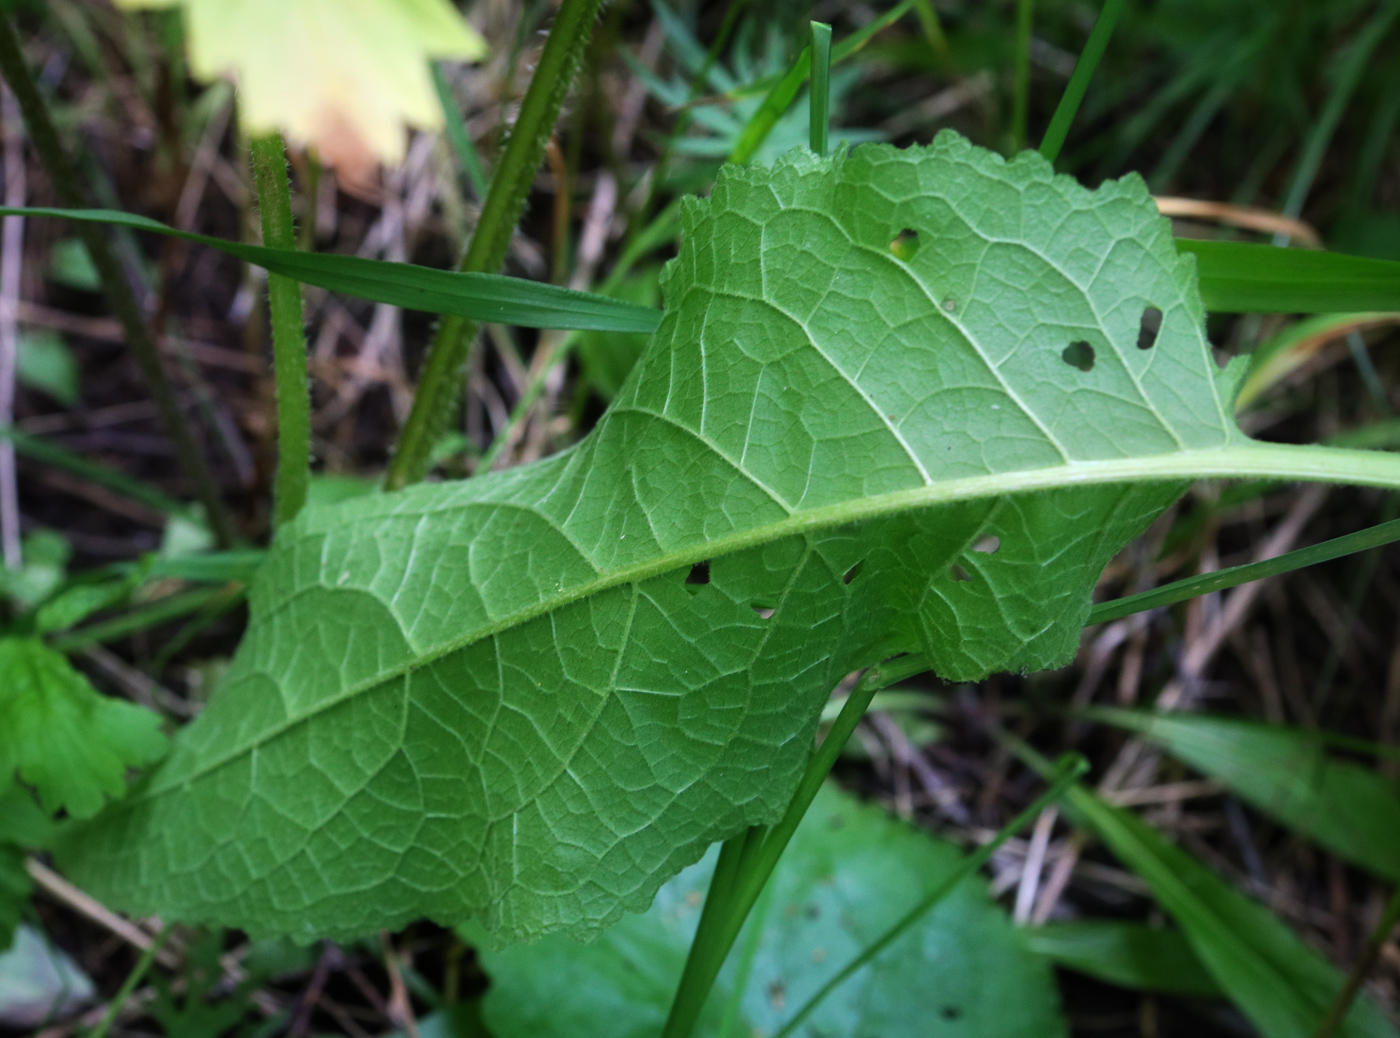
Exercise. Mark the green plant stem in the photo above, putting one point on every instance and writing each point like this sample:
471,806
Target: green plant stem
785,90
1067,772
133,978
820,106
64,177
440,385
1181,590
747,860
1341,1005
1084,68
171,607
288,331
1021,85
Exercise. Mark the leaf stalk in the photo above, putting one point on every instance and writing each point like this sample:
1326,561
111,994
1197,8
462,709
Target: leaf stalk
288,331
440,384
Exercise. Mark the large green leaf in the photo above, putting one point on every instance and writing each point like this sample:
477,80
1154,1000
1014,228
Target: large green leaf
1283,986
533,696
849,874
1287,772
70,743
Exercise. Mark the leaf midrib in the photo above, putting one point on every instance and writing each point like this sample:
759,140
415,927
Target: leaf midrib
1252,460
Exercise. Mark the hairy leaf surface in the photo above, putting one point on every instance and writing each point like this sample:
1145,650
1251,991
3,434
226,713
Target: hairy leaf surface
533,696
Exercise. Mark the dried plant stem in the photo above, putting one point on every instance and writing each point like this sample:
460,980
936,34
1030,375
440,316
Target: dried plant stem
62,173
440,385
288,331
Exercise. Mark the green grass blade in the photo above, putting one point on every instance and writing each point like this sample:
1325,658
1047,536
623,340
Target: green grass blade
1350,810
172,607
457,135
1130,955
821,86
1280,984
70,461
1242,279
479,297
1352,65
1181,590
1089,58
218,567
786,89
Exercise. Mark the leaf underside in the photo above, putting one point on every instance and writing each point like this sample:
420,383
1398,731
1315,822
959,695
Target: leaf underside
533,696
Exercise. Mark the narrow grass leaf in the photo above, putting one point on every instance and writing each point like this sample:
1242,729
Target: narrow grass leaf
821,86
1219,580
1130,955
480,297
1089,58
457,135
47,453
785,90
1278,982
1350,810
1285,353
1240,278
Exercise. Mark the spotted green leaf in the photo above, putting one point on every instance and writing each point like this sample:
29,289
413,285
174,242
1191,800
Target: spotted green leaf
532,697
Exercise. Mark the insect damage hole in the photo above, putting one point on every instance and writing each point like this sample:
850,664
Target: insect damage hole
988,545
959,574
699,574
1079,355
1149,328
853,572
905,244
764,612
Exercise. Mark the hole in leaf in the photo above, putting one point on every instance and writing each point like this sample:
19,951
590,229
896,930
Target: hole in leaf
1149,327
905,244
1079,355
950,304
958,573
764,612
699,573
988,545
853,572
